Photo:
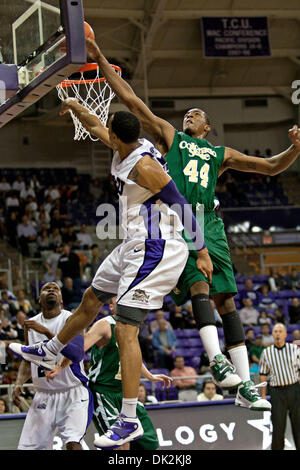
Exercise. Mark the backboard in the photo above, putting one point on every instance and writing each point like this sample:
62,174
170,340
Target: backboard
41,44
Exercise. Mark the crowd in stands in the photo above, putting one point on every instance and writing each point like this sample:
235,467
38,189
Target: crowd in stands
39,214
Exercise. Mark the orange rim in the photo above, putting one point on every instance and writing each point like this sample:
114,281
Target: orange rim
86,68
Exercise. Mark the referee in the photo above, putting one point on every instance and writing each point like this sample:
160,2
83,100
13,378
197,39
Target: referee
281,362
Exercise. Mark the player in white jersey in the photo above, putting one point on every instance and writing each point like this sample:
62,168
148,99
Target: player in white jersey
140,271
64,404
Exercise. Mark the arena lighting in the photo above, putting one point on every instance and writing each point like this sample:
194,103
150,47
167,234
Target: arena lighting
256,229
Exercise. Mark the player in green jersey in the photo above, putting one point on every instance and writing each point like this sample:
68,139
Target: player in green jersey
105,381
194,164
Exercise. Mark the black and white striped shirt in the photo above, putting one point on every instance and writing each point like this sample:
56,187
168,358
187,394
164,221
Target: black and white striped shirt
281,364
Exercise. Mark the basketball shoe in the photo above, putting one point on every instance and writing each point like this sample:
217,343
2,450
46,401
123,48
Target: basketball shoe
249,397
123,430
37,353
224,373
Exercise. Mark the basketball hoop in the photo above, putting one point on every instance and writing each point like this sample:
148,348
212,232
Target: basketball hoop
93,93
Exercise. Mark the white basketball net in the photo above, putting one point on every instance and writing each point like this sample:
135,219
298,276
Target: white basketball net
95,94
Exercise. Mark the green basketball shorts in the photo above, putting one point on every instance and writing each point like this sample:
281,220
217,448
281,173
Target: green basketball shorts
223,280
107,406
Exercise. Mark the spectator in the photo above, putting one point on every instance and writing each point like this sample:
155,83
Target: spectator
276,281
177,317
27,235
4,186
248,314
263,318
189,318
159,315
294,311
3,406
256,350
35,184
267,338
267,298
164,342
209,392
143,396
52,263
18,184
12,201
145,340
186,387
249,292
296,337
7,333
55,238
216,313
31,205
84,239
95,189
71,297
249,341
53,192
43,241
27,191
57,220
293,281
48,204
23,304
11,229
69,266
70,238
95,261
18,324
278,316
7,304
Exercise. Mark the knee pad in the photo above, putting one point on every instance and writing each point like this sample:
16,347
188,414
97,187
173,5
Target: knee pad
131,315
203,312
233,329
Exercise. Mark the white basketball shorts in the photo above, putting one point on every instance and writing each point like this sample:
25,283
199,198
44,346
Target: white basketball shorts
142,272
68,412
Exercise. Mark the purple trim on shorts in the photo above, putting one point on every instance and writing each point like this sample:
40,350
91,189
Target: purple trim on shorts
151,218
154,251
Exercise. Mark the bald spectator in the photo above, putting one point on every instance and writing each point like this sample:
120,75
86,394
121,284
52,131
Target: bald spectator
186,387
248,314
159,315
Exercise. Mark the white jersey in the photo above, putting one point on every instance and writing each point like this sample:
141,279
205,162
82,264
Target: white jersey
70,376
144,216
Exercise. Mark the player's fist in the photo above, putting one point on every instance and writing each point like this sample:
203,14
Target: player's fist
204,264
294,135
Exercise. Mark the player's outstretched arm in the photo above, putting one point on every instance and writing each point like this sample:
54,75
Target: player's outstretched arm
149,174
267,166
89,121
165,379
161,130
24,373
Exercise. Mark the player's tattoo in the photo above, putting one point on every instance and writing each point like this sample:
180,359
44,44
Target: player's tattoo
133,175
251,165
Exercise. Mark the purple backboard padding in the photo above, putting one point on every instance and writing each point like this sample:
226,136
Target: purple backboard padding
9,83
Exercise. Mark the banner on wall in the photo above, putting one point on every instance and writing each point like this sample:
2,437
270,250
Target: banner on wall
235,37
182,427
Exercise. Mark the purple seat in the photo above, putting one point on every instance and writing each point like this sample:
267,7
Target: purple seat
194,342
160,371
183,342
195,361
293,327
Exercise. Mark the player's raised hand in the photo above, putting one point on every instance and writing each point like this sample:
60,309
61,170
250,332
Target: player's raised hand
92,49
204,264
294,135
162,378
34,325
67,105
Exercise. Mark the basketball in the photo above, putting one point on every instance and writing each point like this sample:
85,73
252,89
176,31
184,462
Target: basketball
88,31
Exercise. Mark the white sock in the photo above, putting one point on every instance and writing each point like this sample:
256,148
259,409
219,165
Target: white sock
129,407
210,341
54,345
239,357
